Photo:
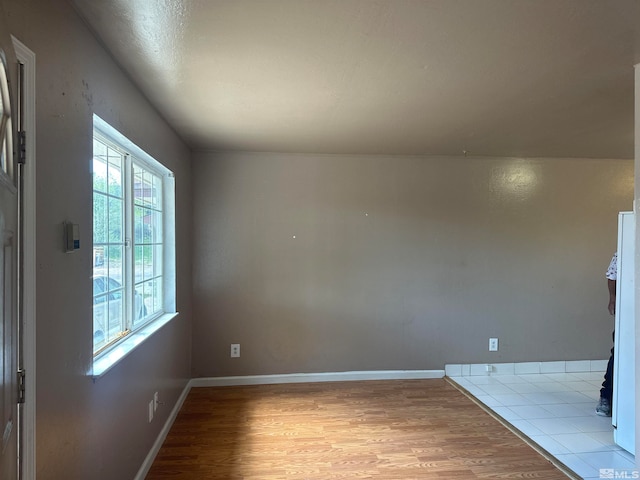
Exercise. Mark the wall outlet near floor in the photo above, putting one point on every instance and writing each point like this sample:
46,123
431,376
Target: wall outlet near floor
151,410
235,350
493,344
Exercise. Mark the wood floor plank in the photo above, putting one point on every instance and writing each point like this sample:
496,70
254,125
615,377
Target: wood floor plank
379,430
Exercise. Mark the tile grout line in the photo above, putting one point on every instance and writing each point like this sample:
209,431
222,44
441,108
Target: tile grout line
548,456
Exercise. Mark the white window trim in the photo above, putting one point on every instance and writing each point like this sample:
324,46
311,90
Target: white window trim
106,360
111,357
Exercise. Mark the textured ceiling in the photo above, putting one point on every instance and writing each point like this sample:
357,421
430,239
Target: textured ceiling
489,77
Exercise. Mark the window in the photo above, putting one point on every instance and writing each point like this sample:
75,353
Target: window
133,257
5,121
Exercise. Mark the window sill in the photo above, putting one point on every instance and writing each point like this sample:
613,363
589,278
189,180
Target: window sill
107,360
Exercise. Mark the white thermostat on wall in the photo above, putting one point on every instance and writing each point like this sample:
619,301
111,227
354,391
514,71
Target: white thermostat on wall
71,237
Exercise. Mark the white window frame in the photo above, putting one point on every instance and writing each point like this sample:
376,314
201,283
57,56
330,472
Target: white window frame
106,358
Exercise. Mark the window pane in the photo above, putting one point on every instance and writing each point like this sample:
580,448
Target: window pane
100,306
115,288
116,316
141,230
147,299
99,150
155,225
115,173
147,188
157,192
157,305
147,262
148,238
116,224
100,220
99,174
98,286
113,261
157,260
108,310
148,226
137,183
139,263
140,300
148,292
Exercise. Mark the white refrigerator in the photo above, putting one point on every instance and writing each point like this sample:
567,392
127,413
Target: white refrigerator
623,412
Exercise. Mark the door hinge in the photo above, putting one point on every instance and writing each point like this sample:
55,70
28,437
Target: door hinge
22,147
21,385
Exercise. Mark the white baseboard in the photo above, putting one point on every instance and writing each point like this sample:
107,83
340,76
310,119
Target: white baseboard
523,368
148,461
316,377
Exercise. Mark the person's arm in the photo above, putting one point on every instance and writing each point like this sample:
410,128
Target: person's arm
612,296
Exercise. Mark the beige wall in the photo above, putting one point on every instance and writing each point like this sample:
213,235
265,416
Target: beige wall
85,429
400,263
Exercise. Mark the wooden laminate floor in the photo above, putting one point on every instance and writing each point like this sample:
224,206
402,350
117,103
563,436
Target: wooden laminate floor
408,429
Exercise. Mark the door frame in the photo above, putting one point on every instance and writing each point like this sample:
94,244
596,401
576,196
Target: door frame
28,410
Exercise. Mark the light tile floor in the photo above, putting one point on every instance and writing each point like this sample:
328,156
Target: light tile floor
556,411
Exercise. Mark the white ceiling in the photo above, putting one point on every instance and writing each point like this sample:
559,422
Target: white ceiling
490,77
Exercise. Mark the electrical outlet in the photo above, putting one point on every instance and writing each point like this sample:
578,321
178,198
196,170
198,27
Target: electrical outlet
151,410
235,350
493,344
155,401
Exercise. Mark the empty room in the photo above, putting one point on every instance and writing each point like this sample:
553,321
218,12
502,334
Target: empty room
316,239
